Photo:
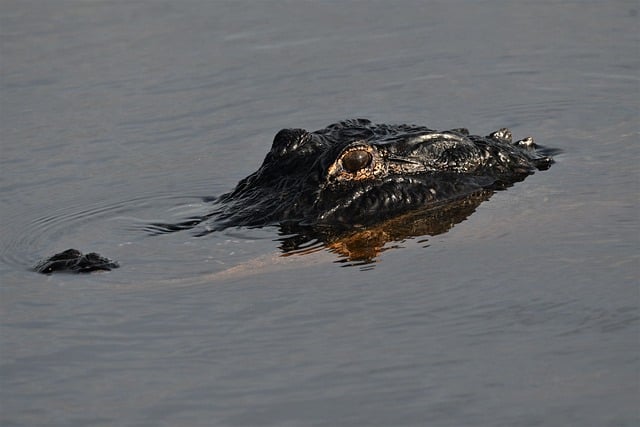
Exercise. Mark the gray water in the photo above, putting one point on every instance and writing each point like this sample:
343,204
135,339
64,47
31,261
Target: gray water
115,114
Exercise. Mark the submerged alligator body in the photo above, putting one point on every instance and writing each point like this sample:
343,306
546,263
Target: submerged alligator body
353,175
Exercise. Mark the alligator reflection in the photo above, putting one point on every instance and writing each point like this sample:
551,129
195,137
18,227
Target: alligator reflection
362,246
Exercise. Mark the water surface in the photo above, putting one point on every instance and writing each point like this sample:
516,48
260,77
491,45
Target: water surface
117,114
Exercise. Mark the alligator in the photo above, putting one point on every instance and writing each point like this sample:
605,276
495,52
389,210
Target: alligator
354,175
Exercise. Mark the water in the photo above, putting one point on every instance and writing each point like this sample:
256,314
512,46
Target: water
117,114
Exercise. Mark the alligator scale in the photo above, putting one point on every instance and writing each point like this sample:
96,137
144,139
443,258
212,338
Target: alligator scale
352,176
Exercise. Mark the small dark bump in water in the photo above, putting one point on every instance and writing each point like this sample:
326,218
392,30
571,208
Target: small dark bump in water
74,261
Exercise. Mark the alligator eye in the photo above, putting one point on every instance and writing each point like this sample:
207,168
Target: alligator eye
355,160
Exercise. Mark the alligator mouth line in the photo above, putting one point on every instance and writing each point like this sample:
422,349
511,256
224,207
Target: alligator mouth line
378,200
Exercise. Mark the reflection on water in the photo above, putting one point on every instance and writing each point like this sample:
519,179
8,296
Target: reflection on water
362,246
356,246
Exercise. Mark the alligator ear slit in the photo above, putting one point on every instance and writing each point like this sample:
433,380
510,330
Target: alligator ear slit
461,131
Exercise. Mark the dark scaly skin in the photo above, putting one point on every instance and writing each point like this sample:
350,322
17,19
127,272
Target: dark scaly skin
354,174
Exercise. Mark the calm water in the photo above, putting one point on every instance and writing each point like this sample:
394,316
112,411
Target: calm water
115,114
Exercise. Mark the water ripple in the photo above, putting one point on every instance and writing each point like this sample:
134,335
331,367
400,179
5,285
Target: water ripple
90,226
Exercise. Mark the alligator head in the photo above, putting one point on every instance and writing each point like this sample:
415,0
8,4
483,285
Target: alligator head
355,173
